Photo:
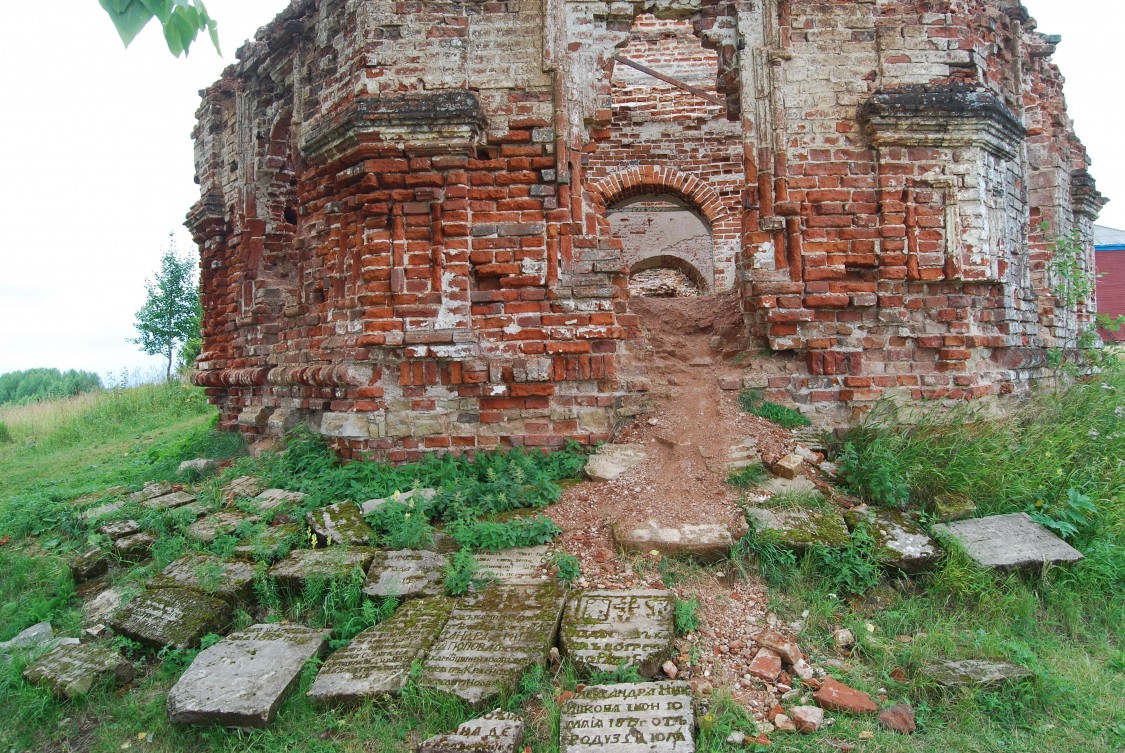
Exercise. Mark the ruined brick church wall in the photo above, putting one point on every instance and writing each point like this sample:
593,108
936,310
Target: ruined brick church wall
403,206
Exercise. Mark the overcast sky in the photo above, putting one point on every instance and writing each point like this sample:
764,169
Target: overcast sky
98,162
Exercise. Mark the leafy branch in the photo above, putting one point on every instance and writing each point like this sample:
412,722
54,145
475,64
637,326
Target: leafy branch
182,20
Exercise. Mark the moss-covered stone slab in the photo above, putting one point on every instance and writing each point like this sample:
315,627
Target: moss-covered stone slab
136,547
521,566
602,630
406,574
275,499
243,487
975,672
90,564
495,732
334,563
271,544
151,490
900,543
378,661
654,717
949,507
73,670
242,680
230,580
103,606
341,523
491,639
175,617
1009,542
119,529
706,542
217,524
800,528
169,501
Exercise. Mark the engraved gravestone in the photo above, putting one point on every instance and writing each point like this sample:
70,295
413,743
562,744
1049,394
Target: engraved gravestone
242,680
525,566
335,563
406,574
492,638
603,629
72,670
175,617
341,523
495,732
378,661
168,501
1009,542
651,717
231,581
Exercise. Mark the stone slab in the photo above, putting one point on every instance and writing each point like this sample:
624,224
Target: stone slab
175,617
169,501
1009,542
242,680
150,490
217,524
631,718
801,528
273,499
136,547
272,543
707,542
899,542
406,574
611,460
102,510
372,505
378,661
491,639
119,529
199,466
341,523
89,565
37,639
103,606
231,581
243,487
335,563
522,566
603,629
73,670
975,672
495,732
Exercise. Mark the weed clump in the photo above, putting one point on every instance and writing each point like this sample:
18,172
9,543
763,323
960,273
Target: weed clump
783,416
687,616
749,476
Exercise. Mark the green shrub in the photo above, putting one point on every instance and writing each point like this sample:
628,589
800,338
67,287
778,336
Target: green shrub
519,532
687,617
5,434
461,573
787,418
567,567
875,473
848,570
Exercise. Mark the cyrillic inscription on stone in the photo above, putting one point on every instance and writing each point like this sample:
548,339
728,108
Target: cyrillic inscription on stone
653,717
242,680
378,661
603,629
173,617
492,638
525,566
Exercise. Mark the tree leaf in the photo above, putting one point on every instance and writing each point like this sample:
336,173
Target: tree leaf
129,20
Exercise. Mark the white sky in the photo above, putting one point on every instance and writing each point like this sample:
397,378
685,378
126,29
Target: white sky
98,161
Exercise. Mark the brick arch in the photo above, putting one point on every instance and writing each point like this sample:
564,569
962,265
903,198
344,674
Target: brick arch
640,180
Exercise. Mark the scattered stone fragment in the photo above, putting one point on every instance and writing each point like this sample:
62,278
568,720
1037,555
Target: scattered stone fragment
36,639
900,543
491,639
785,648
736,738
807,718
611,460
231,581
497,732
836,696
406,497
647,718
119,529
151,490
784,724
789,466
975,672
603,629
406,574
168,501
136,547
271,544
799,529
89,565
175,617
341,523
522,566
378,661
72,670
224,523
843,638
766,665
335,563
803,670
1009,542
707,542
242,680
950,507
272,499
670,669
103,606
899,718
796,486
242,487
198,467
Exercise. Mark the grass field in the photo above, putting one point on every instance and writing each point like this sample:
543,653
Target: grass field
1060,457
